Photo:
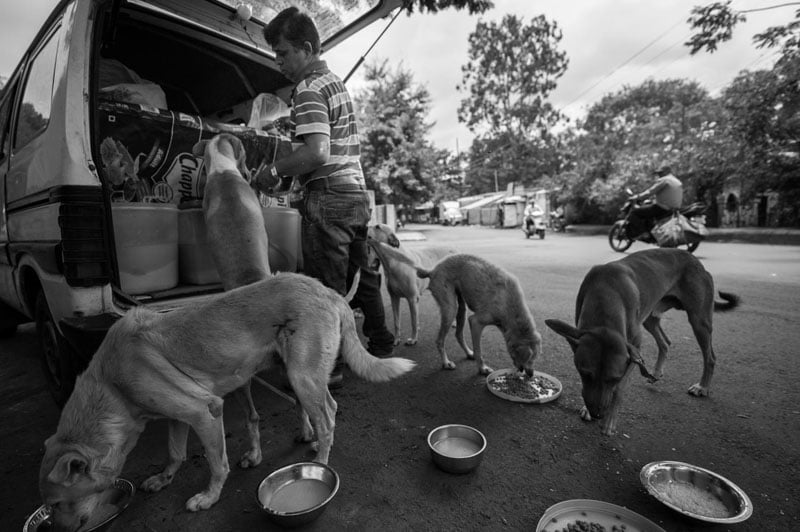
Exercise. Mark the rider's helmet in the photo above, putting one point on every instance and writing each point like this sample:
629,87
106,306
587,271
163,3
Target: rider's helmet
662,171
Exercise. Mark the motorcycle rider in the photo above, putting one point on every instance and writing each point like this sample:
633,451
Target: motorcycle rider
668,196
531,212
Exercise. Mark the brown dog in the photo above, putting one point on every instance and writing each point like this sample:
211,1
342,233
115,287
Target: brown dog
237,239
179,365
495,297
399,264
615,301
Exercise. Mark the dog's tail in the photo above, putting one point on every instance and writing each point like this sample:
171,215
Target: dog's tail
731,302
422,273
361,362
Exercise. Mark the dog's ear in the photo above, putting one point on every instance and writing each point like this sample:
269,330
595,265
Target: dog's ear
566,330
199,149
68,469
636,358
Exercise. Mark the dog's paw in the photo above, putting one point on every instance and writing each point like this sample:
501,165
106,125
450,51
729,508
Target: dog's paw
411,341
585,415
156,482
250,459
698,391
449,365
396,341
485,370
201,501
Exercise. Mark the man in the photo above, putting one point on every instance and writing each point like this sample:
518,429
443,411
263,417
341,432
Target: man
326,158
668,196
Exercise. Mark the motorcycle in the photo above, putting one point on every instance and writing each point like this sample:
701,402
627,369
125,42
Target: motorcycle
557,221
533,224
687,227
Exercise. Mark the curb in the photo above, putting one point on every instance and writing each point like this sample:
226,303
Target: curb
752,235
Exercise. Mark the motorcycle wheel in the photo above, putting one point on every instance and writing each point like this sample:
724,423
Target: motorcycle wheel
617,238
541,234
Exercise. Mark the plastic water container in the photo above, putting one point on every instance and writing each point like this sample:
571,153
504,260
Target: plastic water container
283,231
146,237
195,262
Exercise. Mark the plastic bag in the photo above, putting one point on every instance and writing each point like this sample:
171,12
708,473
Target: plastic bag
669,233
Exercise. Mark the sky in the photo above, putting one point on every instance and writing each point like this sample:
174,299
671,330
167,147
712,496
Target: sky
610,44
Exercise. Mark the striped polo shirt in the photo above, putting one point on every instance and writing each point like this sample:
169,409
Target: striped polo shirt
321,104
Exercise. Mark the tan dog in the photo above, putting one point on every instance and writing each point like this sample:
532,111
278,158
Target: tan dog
237,239
495,297
615,301
399,264
234,221
180,364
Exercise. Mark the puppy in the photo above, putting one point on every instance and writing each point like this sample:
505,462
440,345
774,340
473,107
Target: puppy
495,297
615,301
179,365
237,239
234,221
399,264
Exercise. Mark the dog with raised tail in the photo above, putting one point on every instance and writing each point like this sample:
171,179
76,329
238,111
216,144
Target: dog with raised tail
615,301
179,365
495,297
399,264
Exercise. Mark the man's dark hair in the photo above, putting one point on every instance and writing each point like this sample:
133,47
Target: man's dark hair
664,170
294,26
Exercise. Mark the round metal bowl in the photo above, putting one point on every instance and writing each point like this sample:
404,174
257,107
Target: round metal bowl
297,494
456,448
120,496
662,478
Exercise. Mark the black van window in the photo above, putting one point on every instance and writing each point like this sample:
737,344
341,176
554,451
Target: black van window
5,118
34,113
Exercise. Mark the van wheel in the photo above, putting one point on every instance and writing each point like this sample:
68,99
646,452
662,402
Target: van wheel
57,355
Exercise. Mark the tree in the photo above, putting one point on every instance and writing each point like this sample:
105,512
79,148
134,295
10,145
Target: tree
714,23
434,6
511,70
399,161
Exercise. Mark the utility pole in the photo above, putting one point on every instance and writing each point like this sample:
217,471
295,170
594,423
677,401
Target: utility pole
496,188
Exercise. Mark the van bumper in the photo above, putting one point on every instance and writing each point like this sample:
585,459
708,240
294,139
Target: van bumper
85,334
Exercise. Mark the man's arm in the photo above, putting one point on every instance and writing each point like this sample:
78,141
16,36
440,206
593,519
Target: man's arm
654,189
314,152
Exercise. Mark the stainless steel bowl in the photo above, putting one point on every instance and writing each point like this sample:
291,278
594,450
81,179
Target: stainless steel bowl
456,448
122,493
298,493
657,476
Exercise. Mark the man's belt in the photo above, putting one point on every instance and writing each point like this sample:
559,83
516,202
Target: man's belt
339,182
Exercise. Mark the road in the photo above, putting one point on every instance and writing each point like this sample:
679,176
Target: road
538,455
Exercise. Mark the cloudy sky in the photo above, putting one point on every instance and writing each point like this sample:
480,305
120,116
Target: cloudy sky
610,44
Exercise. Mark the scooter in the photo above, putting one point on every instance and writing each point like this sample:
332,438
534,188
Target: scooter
533,224
691,219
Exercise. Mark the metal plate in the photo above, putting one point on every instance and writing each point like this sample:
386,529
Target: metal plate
656,475
558,516
124,492
511,371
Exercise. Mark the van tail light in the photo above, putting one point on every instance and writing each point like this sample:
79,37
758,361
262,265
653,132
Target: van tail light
84,255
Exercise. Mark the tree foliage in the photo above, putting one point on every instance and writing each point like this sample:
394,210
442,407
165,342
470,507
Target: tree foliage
714,23
434,6
511,70
399,161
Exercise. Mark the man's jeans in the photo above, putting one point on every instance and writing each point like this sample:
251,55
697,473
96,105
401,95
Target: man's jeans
334,232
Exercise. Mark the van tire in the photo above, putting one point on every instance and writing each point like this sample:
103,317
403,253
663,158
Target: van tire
57,355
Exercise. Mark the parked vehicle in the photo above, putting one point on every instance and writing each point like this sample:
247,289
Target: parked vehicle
96,128
690,221
557,221
451,213
533,222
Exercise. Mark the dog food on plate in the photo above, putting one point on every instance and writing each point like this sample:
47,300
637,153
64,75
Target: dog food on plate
694,499
589,526
524,387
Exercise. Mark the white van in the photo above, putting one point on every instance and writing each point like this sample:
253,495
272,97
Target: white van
96,128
